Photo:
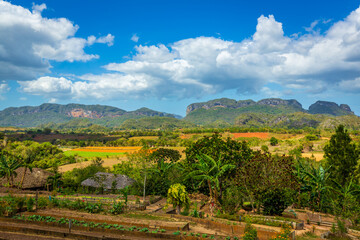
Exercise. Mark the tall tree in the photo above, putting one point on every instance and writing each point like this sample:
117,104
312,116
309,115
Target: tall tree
27,153
342,156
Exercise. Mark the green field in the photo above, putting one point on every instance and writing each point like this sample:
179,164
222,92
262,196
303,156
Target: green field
92,154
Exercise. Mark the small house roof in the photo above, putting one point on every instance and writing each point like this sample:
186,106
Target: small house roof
33,179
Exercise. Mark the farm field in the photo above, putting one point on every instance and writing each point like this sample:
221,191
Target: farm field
261,135
86,154
104,152
145,138
317,156
107,162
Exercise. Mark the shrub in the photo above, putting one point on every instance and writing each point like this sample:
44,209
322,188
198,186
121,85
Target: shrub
264,148
274,141
42,203
30,204
284,233
117,208
93,207
274,201
250,232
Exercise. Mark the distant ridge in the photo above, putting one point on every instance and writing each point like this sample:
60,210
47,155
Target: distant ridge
320,107
223,112
28,116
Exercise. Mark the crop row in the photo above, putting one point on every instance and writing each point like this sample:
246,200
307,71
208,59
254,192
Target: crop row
104,225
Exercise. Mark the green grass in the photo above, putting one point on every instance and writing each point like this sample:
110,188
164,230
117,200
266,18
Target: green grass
307,236
92,154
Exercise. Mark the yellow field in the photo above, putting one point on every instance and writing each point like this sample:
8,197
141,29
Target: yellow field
317,156
108,149
145,138
109,162
10,129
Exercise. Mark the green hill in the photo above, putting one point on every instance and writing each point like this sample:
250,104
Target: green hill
164,123
267,112
55,113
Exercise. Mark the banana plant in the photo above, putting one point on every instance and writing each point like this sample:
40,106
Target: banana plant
8,166
208,170
317,184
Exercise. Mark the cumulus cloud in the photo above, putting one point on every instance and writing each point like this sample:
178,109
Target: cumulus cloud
29,41
311,62
135,38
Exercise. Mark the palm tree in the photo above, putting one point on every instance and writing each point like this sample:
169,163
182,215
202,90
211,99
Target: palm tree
8,166
54,180
28,155
316,183
210,171
346,192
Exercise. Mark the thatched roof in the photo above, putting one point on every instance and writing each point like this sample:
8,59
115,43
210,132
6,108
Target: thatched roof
35,179
106,181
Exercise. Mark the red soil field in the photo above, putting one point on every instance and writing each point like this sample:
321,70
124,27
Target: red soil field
262,135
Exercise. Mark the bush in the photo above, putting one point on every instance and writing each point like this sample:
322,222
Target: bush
30,204
250,232
274,141
42,203
284,233
94,207
8,206
117,208
264,148
274,201
232,199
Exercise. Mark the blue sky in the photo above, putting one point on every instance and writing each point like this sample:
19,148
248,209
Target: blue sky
166,54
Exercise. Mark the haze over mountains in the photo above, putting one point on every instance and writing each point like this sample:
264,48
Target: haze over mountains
222,112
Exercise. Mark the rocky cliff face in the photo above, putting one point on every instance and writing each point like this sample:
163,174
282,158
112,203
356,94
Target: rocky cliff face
81,113
231,103
222,102
324,107
279,102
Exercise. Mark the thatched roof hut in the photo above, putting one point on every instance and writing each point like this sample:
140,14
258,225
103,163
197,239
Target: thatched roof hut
106,180
35,179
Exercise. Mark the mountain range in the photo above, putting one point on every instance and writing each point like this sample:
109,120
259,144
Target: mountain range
224,112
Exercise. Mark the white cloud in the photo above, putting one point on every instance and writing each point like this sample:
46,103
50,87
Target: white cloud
193,67
29,41
350,85
270,93
312,26
38,8
108,39
4,88
48,86
135,38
